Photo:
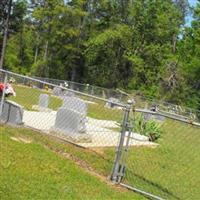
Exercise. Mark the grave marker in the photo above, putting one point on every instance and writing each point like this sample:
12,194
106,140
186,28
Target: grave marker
12,113
75,104
70,124
57,91
111,103
43,101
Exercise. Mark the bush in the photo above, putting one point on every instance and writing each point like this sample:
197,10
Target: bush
151,128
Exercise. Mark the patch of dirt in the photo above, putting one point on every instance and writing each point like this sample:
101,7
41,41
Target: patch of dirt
21,139
99,151
15,139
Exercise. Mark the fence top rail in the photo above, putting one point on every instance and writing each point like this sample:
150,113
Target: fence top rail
167,115
159,102
67,89
83,84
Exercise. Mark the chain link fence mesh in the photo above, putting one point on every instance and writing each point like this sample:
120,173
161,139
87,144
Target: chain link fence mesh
167,164
173,110
77,118
96,91
161,147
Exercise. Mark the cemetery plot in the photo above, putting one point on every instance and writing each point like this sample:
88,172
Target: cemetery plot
89,123
98,133
28,97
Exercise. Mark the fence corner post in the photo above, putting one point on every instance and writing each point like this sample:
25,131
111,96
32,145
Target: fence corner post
118,168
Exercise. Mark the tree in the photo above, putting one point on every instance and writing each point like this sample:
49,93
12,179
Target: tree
6,9
129,44
190,64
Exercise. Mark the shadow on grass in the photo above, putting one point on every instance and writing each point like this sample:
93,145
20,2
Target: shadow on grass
161,191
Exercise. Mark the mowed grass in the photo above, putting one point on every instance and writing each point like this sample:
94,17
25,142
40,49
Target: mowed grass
34,171
171,170
27,97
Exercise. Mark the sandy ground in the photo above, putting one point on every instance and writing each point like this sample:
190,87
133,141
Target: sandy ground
102,132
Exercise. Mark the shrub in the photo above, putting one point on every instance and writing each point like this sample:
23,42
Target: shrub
151,128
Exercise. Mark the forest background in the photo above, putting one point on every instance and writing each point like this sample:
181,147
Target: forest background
145,46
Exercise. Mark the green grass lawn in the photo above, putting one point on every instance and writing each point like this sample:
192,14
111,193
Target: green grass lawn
27,97
171,170
33,171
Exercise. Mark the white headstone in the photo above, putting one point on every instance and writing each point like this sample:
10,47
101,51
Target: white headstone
71,124
57,91
12,113
76,104
43,101
68,120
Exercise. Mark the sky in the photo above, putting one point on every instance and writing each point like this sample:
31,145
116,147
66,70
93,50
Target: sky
192,2
189,18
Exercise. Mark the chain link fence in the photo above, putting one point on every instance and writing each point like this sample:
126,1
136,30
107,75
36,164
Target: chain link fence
121,96
117,95
77,118
173,110
166,166
149,148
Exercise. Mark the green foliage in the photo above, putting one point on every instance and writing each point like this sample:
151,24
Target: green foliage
104,49
19,57
134,45
151,128
39,68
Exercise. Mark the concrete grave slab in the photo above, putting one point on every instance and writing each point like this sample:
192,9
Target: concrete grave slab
101,132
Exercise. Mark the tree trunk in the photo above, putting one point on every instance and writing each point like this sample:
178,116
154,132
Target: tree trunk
5,34
45,58
46,51
174,43
73,76
36,48
36,54
21,46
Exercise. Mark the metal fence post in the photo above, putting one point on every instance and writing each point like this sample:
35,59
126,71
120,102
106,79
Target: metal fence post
119,168
3,95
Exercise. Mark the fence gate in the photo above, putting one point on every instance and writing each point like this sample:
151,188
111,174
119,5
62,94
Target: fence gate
167,167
